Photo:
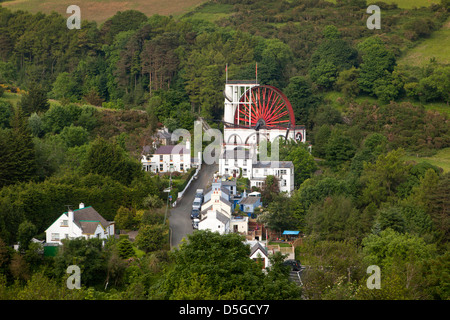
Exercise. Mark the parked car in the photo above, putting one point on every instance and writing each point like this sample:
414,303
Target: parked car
294,264
199,194
195,223
197,204
195,213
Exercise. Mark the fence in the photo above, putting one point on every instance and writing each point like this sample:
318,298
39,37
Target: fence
180,194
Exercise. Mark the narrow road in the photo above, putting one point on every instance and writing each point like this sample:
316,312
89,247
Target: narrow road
180,217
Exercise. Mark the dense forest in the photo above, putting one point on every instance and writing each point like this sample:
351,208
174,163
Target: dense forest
77,106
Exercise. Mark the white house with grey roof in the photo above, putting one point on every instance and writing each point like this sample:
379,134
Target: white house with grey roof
215,221
283,170
259,252
176,156
83,222
217,199
216,211
243,161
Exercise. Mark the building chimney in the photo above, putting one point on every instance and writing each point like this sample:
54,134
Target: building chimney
70,214
81,205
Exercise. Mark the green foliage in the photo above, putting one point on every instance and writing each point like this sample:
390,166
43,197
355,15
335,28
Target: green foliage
6,111
382,178
300,94
174,70
339,149
126,219
35,100
303,161
152,237
332,56
65,88
218,266
74,136
376,60
125,249
347,82
86,254
390,247
283,213
17,157
26,232
58,117
109,159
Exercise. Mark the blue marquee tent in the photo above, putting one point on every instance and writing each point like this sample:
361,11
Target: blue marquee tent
291,233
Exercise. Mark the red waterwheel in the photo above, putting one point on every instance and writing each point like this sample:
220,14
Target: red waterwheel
264,106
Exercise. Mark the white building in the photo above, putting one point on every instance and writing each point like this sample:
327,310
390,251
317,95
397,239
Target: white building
215,221
235,162
283,170
82,222
177,156
217,199
258,251
216,211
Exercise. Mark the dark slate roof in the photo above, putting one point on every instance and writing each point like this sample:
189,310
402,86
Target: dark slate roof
236,154
222,218
256,247
250,200
88,219
172,149
274,164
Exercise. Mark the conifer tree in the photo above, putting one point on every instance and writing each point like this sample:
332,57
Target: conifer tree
17,153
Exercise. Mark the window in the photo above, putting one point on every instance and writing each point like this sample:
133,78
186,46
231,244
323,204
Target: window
283,171
65,223
171,157
160,157
283,183
181,157
181,167
161,167
245,172
55,236
226,162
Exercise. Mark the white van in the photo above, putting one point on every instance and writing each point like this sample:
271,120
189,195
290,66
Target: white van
197,204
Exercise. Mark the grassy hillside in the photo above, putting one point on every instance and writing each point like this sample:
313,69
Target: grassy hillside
101,10
440,159
437,46
406,4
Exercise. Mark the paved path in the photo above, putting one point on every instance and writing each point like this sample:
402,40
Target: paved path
180,216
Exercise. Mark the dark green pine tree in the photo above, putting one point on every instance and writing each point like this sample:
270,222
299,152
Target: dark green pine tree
125,249
35,100
17,155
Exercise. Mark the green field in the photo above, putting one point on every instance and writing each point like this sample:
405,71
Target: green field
406,4
12,98
337,101
210,12
101,10
437,46
440,159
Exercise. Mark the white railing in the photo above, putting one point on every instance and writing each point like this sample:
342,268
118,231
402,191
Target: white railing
180,194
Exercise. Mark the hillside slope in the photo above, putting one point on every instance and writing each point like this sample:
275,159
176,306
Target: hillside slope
101,10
